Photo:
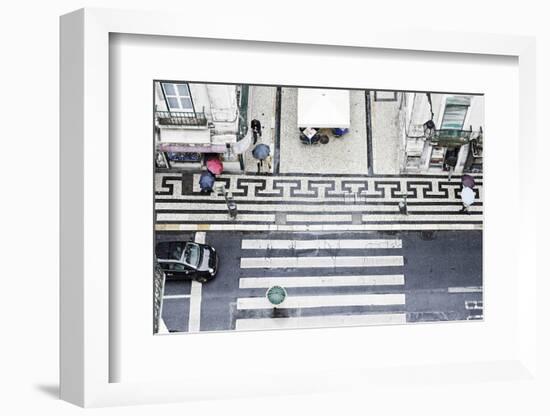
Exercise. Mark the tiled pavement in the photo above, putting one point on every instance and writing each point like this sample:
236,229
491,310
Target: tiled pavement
344,155
316,203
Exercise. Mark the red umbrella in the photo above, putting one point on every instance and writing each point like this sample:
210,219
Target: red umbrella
214,165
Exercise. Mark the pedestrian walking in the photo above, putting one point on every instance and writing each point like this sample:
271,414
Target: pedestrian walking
256,129
468,181
206,182
467,195
261,153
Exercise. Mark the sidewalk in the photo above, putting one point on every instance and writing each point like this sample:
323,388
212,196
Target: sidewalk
345,155
318,203
386,132
261,106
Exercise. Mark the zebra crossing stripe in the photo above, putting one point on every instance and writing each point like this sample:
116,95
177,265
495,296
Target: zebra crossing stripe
320,321
321,227
318,218
210,217
458,217
318,244
324,301
245,205
467,289
321,281
313,262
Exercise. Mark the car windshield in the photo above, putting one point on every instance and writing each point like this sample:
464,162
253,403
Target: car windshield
192,254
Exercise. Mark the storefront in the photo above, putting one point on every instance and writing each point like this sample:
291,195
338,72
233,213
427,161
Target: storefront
186,136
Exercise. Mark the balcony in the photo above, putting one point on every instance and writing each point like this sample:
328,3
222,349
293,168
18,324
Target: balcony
181,119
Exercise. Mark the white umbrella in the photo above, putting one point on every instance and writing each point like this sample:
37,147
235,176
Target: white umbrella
323,108
468,196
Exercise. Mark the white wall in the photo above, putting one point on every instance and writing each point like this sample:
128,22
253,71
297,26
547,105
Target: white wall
30,56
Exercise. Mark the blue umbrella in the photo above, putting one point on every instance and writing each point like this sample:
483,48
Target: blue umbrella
339,131
261,151
206,181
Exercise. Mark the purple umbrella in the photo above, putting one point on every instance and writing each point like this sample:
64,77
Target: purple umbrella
468,181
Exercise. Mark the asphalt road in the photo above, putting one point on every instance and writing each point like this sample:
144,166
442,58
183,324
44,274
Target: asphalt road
442,270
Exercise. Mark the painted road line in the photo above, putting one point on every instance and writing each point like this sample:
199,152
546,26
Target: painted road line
321,281
434,226
318,218
312,262
163,329
467,289
324,301
320,321
431,217
297,208
196,295
318,244
209,217
176,297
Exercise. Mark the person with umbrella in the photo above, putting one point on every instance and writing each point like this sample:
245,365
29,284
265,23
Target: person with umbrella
261,152
468,196
468,181
214,164
206,181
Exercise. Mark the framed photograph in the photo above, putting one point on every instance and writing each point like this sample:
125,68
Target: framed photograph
316,213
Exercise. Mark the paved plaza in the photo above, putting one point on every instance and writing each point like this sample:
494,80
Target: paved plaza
344,155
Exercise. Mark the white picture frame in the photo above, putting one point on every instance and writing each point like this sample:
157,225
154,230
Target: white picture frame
85,353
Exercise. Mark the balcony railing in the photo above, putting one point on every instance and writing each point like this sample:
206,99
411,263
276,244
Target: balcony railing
171,118
445,137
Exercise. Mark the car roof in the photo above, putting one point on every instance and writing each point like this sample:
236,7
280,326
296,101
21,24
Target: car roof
170,250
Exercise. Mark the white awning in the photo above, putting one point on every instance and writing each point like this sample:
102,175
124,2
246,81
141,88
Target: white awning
323,108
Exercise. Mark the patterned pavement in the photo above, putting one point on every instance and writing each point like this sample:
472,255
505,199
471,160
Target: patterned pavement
316,203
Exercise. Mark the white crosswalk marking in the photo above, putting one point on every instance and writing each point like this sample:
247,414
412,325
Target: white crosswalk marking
324,301
320,321
196,296
319,244
318,300
311,262
320,217
321,281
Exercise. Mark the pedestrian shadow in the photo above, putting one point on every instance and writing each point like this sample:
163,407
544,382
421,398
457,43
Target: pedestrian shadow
51,390
280,313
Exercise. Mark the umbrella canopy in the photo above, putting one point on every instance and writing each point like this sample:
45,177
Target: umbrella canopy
214,165
323,108
261,151
467,195
468,181
206,181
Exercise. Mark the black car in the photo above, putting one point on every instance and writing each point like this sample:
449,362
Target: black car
187,260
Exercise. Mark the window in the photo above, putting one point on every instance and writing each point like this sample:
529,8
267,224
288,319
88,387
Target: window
454,117
192,255
178,97
456,109
164,266
178,267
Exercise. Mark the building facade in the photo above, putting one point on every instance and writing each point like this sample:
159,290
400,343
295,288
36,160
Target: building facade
192,120
442,133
